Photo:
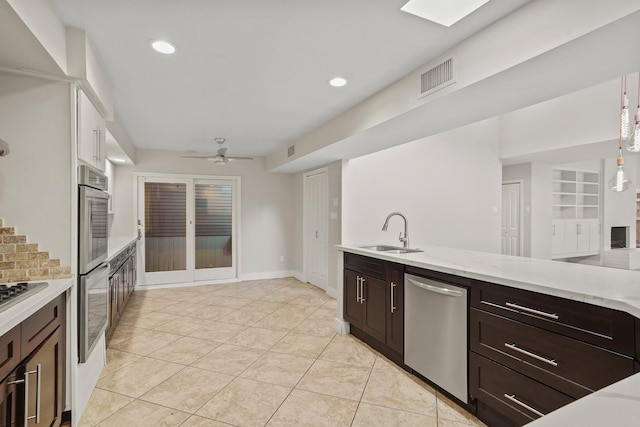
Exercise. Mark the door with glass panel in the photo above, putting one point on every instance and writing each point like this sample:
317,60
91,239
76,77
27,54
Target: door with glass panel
188,229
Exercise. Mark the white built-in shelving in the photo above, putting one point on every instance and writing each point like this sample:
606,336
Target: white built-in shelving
576,213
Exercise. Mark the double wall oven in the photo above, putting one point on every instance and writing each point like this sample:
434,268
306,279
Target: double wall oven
93,270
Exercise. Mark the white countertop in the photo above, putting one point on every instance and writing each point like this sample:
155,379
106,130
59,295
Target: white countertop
19,312
616,405
607,287
116,244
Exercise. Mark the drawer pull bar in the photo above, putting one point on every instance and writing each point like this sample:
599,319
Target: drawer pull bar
512,397
532,311
551,362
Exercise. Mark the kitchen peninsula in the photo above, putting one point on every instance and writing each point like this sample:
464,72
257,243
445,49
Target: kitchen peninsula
546,313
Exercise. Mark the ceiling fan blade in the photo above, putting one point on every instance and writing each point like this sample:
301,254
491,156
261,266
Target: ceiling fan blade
210,156
239,158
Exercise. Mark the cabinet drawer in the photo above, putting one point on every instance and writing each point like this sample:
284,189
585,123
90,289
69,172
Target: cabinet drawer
362,264
9,351
514,395
546,356
41,324
600,326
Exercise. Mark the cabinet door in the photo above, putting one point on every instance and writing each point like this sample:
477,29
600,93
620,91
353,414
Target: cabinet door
43,376
374,298
113,299
91,133
8,401
352,306
121,289
395,315
583,237
594,236
557,238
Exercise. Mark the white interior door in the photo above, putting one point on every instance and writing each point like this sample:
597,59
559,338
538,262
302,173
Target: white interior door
316,227
510,228
188,229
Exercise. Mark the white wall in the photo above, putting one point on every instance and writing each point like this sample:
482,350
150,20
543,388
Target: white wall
448,186
541,212
268,212
35,179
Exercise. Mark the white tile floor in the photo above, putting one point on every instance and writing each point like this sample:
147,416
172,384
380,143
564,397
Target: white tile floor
253,354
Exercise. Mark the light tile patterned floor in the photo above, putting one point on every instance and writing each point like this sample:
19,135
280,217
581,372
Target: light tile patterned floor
253,354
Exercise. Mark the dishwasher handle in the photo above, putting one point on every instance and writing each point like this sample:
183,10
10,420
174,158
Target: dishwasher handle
443,290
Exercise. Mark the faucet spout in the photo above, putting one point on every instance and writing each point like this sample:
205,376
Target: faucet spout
403,238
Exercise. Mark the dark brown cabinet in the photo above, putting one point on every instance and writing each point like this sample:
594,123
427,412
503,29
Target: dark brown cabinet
532,353
122,281
34,351
395,316
373,303
43,383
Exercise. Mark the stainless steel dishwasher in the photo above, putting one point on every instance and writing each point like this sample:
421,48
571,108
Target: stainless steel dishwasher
435,332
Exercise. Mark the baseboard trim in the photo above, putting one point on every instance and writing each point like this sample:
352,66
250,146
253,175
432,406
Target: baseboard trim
265,275
332,292
186,284
341,327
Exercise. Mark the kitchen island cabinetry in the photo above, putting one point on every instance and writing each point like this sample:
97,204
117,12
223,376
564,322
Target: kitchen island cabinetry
373,303
532,353
543,336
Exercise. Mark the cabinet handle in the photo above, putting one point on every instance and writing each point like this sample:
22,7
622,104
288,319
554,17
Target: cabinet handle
362,300
357,289
554,230
551,362
96,137
393,303
512,397
26,394
532,311
38,389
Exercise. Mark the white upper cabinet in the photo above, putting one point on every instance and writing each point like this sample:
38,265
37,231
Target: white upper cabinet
91,133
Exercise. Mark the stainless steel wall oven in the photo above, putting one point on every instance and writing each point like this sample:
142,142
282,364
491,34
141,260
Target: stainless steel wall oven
92,255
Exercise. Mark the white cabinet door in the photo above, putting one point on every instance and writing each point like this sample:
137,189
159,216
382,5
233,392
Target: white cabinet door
91,133
558,246
594,236
583,235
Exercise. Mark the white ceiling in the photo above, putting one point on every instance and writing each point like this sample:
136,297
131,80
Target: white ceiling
255,71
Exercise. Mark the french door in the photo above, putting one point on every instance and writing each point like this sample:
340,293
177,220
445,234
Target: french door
188,228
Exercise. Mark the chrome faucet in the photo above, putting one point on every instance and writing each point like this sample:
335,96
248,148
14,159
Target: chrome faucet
403,238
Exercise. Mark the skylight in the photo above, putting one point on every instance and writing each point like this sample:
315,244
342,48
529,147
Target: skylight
443,12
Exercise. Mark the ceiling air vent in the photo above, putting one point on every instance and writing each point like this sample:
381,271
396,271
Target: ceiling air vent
291,151
437,78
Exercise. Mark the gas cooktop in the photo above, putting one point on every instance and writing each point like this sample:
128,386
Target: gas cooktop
12,293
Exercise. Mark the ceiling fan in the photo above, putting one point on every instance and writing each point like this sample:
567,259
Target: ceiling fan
221,155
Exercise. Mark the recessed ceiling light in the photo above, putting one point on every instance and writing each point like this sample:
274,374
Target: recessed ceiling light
163,46
337,82
443,12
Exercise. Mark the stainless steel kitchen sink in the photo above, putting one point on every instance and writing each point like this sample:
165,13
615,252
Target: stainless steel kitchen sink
391,249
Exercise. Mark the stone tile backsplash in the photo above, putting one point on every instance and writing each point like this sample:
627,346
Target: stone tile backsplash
21,261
